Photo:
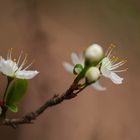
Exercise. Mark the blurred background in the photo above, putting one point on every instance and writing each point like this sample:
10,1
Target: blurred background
49,30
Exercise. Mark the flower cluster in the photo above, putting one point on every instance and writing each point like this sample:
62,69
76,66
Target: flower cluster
90,66
94,63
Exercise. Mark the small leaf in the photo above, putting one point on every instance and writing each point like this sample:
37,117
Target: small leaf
16,91
12,108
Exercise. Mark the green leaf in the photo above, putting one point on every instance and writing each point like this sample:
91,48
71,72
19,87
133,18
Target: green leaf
13,108
16,91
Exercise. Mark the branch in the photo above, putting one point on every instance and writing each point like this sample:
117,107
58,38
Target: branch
56,99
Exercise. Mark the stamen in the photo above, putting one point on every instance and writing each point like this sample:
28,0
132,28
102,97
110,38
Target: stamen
117,65
115,60
15,67
14,60
109,51
9,54
19,57
120,63
112,45
28,66
121,70
110,56
23,63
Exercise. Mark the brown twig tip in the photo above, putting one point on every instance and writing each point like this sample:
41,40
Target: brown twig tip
55,100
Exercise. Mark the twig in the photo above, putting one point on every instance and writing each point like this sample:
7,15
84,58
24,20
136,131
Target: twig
56,99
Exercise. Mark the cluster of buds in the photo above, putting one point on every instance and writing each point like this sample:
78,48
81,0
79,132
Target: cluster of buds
94,63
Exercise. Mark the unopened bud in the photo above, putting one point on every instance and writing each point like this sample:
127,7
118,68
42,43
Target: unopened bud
94,53
92,74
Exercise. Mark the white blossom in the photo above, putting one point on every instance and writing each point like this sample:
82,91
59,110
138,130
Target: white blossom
80,60
12,68
109,65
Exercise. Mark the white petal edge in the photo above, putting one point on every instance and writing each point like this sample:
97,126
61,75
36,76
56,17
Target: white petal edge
115,78
7,67
105,72
105,61
75,59
68,67
104,67
98,86
23,74
81,59
0,62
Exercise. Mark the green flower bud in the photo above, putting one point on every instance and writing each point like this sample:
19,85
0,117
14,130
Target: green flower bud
93,54
77,69
92,74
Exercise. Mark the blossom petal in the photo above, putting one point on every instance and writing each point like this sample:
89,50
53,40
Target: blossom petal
68,67
105,67
105,71
115,78
75,59
7,67
98,86
23,74
105,61
81,59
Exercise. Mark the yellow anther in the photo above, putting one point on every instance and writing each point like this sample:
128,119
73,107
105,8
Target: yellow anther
124,61
114,58
14,60
112,45
10,49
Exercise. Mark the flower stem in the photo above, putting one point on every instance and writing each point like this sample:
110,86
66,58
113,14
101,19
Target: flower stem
8,83
4,107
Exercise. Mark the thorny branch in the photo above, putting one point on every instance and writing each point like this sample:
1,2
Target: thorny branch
56,99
